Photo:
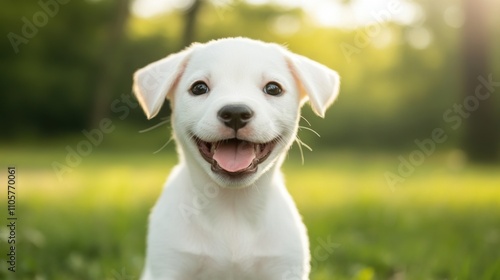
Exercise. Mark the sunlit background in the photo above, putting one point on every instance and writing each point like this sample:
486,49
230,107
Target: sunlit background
404,178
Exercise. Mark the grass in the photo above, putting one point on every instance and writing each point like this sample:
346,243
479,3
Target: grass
443,222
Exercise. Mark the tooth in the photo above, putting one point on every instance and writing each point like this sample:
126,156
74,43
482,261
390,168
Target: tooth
212,148
257,149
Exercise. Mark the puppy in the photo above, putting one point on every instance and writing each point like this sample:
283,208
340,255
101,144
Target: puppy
225,212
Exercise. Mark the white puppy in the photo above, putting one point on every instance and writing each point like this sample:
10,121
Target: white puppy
225,212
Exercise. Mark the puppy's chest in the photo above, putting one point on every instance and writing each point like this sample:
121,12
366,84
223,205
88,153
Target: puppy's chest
234,248
228,259
242,268
230,239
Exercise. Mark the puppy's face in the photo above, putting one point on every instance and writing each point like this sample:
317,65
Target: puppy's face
235,110
235,103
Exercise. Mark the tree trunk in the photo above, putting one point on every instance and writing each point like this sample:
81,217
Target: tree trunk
481,132
108,63
190,18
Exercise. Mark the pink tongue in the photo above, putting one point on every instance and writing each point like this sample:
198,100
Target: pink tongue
234,155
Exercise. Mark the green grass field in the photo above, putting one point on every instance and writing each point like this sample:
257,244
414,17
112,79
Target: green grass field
443,222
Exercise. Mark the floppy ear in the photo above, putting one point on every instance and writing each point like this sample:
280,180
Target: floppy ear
317,83
153,83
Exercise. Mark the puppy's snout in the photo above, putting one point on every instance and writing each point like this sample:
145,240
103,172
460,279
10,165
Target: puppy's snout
235,116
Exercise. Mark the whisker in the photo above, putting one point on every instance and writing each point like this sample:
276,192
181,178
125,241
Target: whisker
309,129
305,145
302,117
301,144
164,145
154,126
300,149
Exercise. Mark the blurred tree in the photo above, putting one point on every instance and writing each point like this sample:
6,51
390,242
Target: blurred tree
482,135
47,83
392,92
190,19
109,61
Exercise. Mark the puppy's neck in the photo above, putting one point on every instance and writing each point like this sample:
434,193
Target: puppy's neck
243,205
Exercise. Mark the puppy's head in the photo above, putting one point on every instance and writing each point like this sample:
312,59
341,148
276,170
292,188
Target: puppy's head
235,103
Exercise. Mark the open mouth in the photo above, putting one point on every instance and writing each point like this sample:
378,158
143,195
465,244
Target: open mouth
234,157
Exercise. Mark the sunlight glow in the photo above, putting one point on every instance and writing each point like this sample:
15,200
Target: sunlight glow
454,16
286,25
150,8
323,12
419,38
362,12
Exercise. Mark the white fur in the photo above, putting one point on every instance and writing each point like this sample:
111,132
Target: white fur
206,225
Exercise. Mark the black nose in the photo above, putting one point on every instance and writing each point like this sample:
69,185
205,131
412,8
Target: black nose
235,116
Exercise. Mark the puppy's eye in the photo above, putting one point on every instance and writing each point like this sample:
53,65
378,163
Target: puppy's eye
273,88
199,88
